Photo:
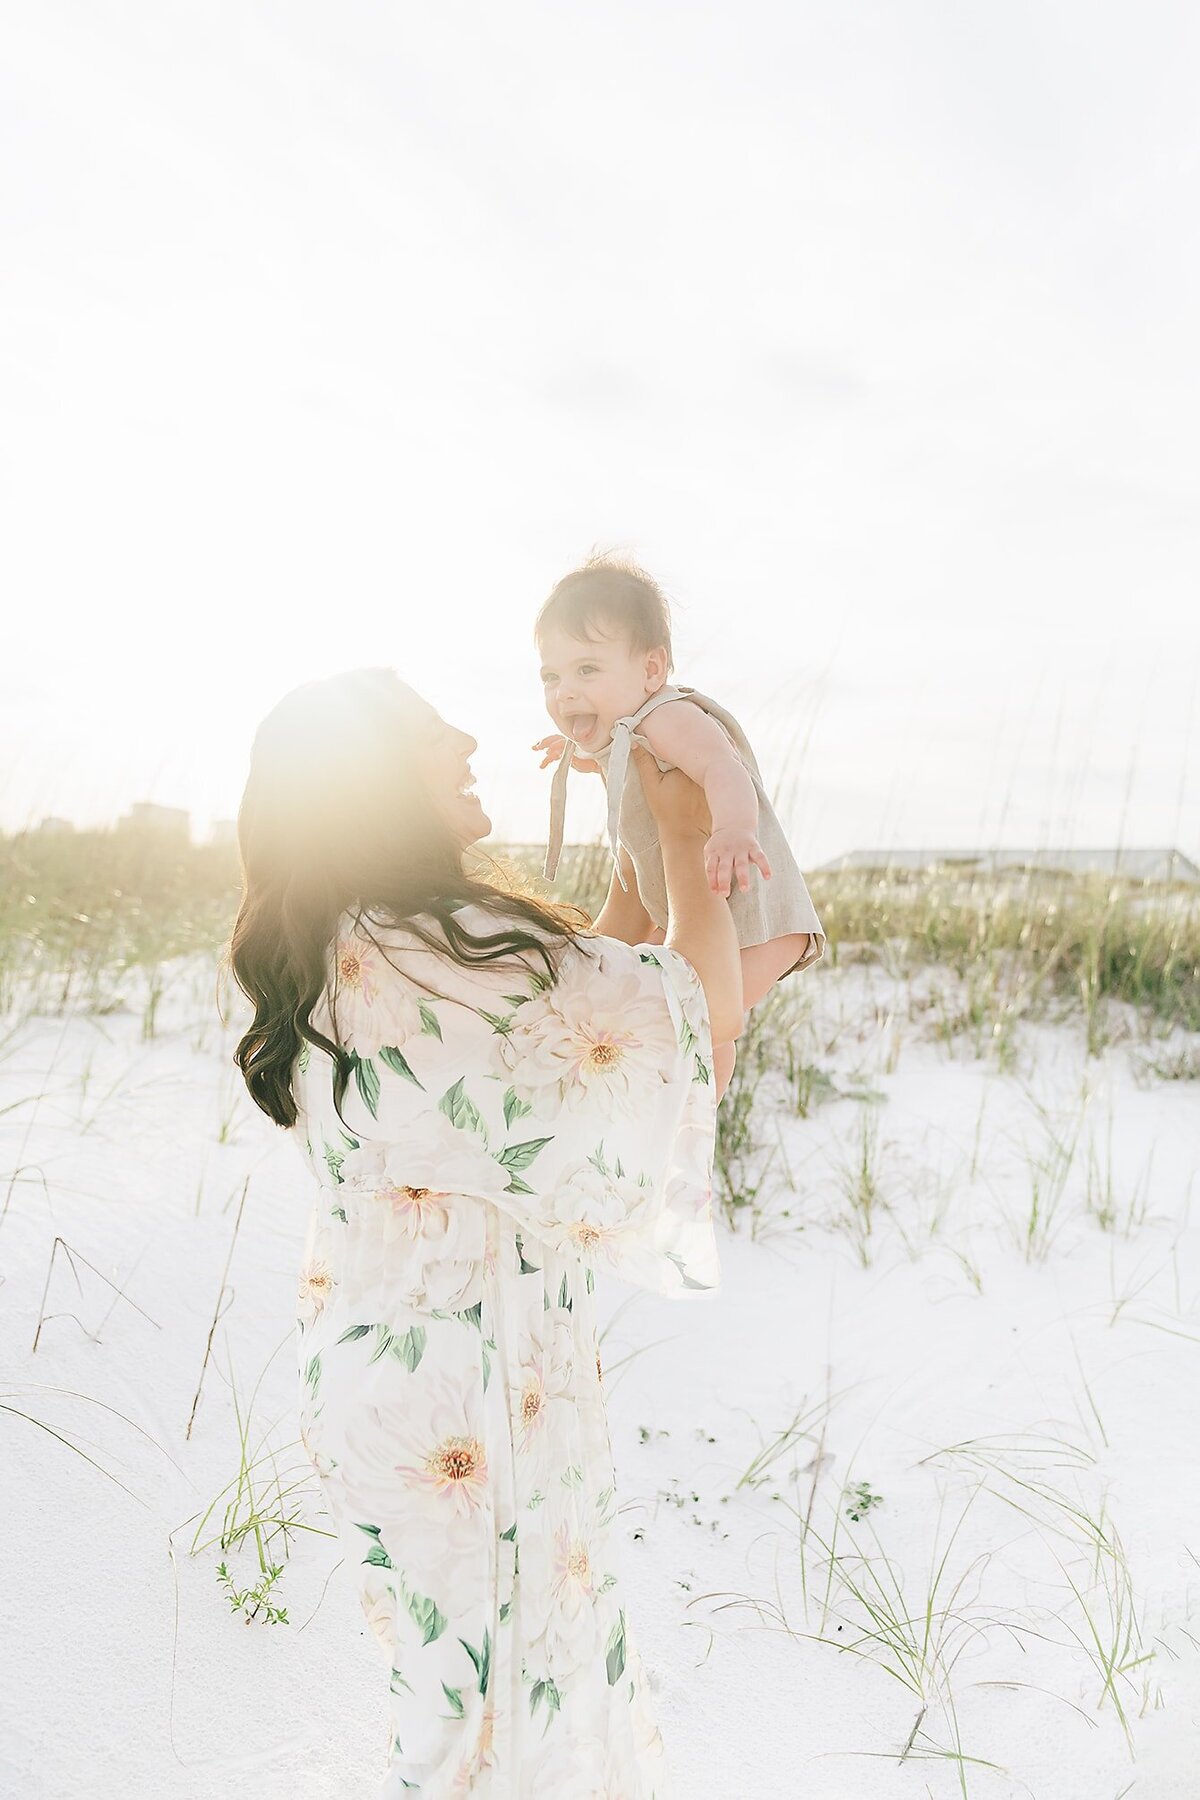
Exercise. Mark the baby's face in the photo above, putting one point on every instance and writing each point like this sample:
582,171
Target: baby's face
591,683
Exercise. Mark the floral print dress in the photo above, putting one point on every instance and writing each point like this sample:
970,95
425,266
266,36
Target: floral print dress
501,1139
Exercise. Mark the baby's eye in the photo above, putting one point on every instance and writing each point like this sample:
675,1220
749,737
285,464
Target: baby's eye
588,669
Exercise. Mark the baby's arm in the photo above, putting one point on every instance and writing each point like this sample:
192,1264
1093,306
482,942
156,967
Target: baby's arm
685,735
623,915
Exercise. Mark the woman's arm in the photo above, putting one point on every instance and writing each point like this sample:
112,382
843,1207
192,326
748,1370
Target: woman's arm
693,741
623,915
699,922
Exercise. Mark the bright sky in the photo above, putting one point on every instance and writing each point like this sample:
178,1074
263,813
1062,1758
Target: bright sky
331,335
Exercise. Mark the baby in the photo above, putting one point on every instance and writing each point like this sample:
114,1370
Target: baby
604,636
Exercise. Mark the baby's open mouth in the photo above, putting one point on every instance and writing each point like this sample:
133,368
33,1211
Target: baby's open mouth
582,725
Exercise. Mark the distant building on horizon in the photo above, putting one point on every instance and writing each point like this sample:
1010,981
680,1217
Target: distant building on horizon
1155,865
146,816
52,827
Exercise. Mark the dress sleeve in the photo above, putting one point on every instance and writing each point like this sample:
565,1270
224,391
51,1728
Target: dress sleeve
584,1110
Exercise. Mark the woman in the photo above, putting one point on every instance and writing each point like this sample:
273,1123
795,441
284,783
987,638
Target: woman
495,1103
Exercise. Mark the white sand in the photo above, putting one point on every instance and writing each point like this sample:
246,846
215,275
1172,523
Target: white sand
127,1675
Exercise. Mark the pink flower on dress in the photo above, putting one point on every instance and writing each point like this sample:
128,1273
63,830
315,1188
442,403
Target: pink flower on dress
375,1003
597,1042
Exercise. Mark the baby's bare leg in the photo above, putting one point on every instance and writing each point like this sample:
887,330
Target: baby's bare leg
763,964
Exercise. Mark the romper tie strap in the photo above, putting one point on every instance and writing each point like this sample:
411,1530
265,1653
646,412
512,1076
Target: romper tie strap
624,736
558,811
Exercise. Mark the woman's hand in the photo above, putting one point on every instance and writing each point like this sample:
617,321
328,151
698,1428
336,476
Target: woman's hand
729,856
554,747
678,804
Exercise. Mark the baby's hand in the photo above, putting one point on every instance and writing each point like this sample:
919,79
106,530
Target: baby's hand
728,856
554,747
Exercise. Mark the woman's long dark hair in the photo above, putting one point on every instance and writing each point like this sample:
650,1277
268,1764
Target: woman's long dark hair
336,816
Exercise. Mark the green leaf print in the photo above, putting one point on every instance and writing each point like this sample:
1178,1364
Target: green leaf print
312,1374
366,1080
461,1110
384,1344
519,1156
544,1690
572,1476
338,1212
517,1186
644,956
505,1609
564,1296
409,1347
702,1071
305,1056
481,1658
526,1268
355,1332
501,1024
615,1659
333,1161
597,1159
515,1000
425,1616
454,1696
376,1556
487,1361
509,1536
429,1021
399,1064
514,1108
399,1685
472,1315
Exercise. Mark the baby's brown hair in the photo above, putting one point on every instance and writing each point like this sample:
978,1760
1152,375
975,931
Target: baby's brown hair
613,591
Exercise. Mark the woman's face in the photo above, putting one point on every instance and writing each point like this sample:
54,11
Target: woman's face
445,754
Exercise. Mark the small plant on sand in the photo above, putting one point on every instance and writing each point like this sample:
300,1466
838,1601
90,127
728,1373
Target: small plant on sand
1049,1165
858,1499
263,1503
740,1162
857,1177
253,1601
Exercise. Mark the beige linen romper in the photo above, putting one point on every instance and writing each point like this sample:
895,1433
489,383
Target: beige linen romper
767,910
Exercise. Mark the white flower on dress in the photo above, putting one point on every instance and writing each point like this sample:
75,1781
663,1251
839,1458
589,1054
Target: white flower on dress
375,1003
413,1466
482,1756
315,1286
572,1768
594,1043
545,1366
559,1580
433,1155
416,1228
596,1214
379,1607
